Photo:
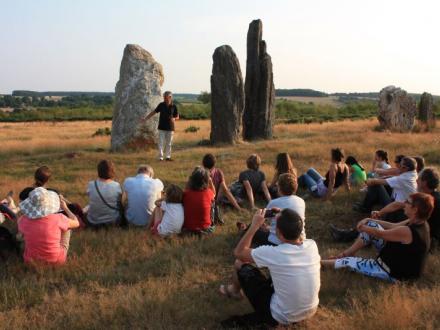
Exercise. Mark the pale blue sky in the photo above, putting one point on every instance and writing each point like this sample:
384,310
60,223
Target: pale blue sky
332,46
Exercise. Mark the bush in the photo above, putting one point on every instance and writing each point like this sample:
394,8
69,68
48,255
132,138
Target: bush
102,132
192,129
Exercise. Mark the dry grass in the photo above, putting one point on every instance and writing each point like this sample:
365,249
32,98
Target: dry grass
127,279
328,100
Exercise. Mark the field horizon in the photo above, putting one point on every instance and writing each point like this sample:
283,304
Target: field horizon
127,279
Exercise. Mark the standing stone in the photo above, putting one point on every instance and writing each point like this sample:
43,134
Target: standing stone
258,114
137,94
227,96
397,110
426,111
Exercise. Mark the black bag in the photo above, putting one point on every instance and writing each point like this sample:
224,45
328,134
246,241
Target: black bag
8,244
216,216
122,219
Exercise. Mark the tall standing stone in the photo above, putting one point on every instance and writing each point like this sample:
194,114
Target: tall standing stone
426,111
258,113
227,96
397,110
137,93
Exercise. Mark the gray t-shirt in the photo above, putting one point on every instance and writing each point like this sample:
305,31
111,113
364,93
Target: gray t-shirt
99,213
255,179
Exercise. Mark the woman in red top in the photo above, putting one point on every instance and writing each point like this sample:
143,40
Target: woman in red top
198,198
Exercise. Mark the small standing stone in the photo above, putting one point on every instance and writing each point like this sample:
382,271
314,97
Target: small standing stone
137,94
258,116
426,111
227,96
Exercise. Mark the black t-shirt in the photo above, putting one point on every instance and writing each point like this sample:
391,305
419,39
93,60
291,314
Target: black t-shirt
434,220
255,179
26,191
166,113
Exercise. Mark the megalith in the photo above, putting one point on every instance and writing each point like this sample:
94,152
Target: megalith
258,116
137,94
227,96
426,114
397,110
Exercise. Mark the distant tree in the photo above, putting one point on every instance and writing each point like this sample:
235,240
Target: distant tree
204,97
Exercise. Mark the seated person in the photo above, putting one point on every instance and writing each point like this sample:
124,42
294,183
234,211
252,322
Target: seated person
290,294
198,199
287,186
168,215
380,162
41,177
140,193
402,186
402,247
104,197
283,165
46,233
219,182
358,175
391,171
336,176
8,209
420,163
251,182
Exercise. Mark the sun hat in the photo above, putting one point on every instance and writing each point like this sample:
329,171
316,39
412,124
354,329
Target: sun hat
41,202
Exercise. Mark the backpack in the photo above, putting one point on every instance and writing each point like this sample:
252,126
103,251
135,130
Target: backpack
8,244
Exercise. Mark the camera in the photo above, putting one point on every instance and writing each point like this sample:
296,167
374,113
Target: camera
271,213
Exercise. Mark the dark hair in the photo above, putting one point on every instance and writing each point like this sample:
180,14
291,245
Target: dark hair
199,179
382,154
431,177
424,204
290,224
174,194
106,169
409,163
337,154
253,162
284,164
208,161
287,184
352,161
399,158
42,175
420,163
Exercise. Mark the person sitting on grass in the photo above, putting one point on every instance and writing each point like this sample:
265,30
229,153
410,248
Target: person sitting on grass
402,186
287,186
390,171
219,182
420,163
358,175
251,182
402,247
283,165
104,197
41,177
140,194
337,175
8,209
46,232
198,199
290,294
168,215
380,162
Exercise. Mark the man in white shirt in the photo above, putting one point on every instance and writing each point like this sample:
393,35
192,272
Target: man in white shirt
140,192
402,186
290,294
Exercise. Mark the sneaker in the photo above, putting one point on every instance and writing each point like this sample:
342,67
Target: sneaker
169,160
343,235
160,159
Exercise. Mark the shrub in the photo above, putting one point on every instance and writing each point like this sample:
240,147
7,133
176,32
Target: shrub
192,129
102,132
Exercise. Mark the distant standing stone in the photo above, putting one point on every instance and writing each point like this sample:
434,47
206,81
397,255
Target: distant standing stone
137,93
258,114
397,110
227,96
426,111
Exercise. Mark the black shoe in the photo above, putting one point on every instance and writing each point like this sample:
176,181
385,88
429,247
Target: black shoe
169,160
343,235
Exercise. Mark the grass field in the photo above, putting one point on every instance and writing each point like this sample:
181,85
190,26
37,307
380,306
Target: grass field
329,100
126,279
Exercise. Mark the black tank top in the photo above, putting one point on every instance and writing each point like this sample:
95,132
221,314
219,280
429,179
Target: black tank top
406,261
339,178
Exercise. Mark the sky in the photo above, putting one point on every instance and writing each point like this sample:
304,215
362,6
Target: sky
332,46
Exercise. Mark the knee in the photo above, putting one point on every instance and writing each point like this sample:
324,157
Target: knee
238,264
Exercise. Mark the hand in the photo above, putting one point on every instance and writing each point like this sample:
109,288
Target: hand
369,182
362,223
258,219
375,215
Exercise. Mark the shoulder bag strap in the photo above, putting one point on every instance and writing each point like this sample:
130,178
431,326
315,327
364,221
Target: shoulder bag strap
102,198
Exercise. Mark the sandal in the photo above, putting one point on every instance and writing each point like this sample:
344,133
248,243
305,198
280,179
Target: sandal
226,290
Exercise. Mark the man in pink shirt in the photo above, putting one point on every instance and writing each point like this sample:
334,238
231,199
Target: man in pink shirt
46,232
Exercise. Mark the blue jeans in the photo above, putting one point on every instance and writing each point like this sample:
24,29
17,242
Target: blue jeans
310,180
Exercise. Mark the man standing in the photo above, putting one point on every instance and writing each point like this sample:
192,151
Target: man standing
168,115
140,193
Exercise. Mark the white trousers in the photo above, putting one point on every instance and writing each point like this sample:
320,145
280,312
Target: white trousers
165,141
